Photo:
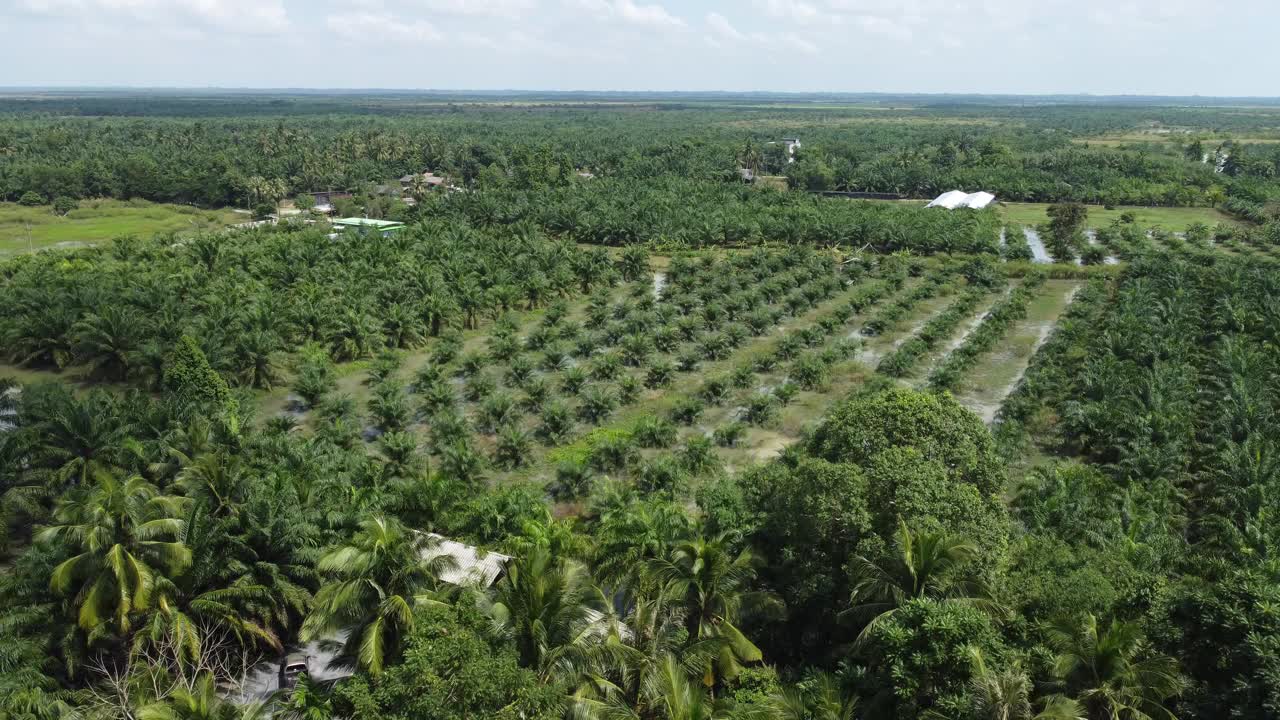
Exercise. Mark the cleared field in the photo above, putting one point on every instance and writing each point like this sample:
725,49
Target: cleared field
24,229
984,388
1175,219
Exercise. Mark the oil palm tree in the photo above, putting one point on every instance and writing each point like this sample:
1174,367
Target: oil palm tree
81,437
376,580
117,528
109,340
922,565
1112,670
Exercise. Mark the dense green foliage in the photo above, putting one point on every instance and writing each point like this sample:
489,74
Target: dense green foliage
234,446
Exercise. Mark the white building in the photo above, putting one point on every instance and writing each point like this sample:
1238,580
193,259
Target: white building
960,199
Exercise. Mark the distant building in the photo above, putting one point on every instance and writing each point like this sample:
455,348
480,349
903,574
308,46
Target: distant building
792,144
431,179
364,226
960,199
324,200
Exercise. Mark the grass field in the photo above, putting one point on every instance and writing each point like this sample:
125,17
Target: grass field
1174,219
23,229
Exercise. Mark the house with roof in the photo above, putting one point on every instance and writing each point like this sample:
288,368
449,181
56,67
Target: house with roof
428,178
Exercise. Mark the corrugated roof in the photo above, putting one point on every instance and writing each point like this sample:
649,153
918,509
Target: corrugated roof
960,199
472,567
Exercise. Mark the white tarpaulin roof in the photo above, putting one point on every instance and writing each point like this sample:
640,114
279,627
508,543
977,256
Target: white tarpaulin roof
472,567
958,199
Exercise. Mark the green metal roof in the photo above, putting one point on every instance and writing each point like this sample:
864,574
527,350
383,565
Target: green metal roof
369,223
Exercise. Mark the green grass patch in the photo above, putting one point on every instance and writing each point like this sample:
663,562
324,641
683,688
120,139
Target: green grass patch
24,229
1174,219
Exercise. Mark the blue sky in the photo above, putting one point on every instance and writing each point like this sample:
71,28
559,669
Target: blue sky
1180,47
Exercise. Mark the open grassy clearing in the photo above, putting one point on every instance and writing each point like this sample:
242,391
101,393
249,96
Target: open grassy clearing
1174,219
984,389
23,229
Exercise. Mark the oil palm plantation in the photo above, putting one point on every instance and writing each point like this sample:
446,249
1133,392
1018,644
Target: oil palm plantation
375,581
124,536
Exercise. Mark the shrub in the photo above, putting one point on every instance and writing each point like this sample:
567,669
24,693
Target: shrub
698,457
63,204
31,198
188,374
663,475
809,372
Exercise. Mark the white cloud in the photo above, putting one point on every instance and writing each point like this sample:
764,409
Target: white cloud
721,26
630,12
503,9
723,33
377,27
241,16
797,11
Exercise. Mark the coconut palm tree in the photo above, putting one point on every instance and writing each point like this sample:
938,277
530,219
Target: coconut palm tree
542,604
922,565
822,697
376,580
117,528
710,580
1112,670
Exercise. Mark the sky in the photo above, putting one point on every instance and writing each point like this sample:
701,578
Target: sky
1157,47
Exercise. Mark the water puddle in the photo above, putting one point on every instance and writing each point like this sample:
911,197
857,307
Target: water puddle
1038,252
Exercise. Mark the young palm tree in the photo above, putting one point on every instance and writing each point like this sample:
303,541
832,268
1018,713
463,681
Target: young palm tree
116,528
1112,670
921,565
201,702
376,581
